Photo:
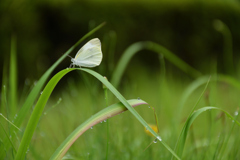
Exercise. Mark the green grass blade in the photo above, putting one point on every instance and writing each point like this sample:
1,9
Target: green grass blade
179,145
134,48
203,80
37,112
37,89
192,117
8,138
93,120
13,78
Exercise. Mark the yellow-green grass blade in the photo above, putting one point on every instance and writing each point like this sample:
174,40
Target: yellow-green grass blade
190,120
93,120
136,47
37,89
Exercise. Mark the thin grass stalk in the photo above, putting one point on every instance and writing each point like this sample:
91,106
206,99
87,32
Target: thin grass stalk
227,46
13,78
106,100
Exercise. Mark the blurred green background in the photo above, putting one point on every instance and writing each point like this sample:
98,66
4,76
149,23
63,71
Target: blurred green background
46,29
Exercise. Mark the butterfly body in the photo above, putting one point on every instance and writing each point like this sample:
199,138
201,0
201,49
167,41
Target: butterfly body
90,55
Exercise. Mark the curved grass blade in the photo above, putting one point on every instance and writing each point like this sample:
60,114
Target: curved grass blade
36,90
93,120
203,80
37,112
193,116
134,48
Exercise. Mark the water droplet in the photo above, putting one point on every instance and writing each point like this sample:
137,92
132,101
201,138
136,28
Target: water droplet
101,122
44,113
41,92
27,81
15,116
105,120
139,98
35,82
233,121
67,68
236,113
148,106
159,138
0,114
88,153
92,127
155,141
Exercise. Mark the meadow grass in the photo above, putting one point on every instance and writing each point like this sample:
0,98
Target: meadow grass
197,118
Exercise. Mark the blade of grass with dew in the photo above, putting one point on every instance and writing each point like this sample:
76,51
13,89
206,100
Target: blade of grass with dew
192,117
13,78
178,147
36,90
93,120
136,47
128,106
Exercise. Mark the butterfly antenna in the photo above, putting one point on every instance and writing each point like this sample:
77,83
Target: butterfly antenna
69,56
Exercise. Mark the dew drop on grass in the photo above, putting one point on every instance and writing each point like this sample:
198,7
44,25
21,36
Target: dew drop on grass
101,122
92,127
139,98
148,106
41,92
35,82
0,114
105,120
236,113
155,141
233,121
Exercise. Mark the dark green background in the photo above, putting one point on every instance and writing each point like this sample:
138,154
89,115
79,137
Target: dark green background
46,29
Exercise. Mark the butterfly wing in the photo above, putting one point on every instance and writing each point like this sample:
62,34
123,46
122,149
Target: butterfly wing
90,55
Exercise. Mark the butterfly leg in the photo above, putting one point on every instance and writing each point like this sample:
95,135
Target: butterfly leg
72,65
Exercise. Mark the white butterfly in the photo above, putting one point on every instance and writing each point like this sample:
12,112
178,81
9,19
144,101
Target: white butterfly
90,55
